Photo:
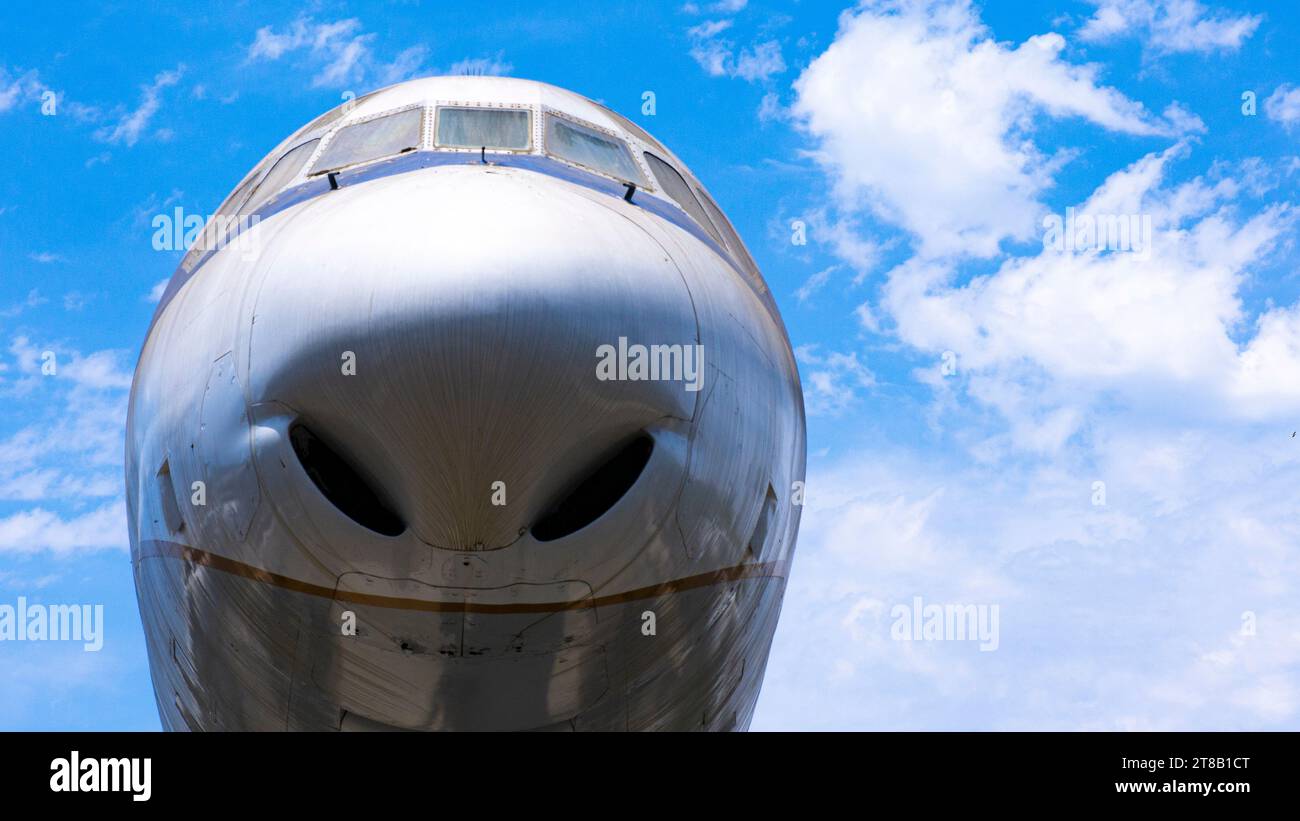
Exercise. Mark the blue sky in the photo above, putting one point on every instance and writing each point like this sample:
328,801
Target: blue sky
924,147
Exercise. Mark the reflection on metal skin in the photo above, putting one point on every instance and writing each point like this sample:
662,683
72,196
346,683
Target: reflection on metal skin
433,320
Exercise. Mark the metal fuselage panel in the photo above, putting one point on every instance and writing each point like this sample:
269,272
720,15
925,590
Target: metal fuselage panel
472,301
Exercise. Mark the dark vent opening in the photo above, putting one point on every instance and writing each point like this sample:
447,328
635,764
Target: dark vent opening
758,539
342,484
171,511
598,492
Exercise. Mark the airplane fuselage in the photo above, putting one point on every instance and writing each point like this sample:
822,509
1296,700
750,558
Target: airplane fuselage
438,435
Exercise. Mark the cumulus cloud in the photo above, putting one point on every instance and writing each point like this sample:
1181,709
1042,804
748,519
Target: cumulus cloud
1170,606
1046,334
939,142
1169,26
1108,458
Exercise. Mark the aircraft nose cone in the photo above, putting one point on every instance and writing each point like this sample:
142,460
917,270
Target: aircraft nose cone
440,332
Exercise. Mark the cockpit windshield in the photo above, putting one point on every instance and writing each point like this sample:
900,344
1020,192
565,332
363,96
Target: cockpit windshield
372,140
590,148
285,169
507,129
676,187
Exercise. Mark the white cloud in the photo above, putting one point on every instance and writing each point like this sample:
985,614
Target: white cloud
271,46
938,142
709,29
327,40
79,414
36,530
409,63
481,66
1283,105
67,457
1163,372
1045,336
14,90
156,292
341,51
846,239
814,283
340,48
1126,615
719,7
719,57
46,257
33,300
25,87
97,371
760,62
770,108
1169,25
346,65
712,55
132,124
831,381
44,483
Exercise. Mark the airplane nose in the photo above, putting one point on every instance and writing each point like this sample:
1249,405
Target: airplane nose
429,343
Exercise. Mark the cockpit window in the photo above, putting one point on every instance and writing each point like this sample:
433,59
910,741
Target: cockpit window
674,186
724,225
236,199
372,140
590,148
327,119
510,129
216,229
284,170
634,129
